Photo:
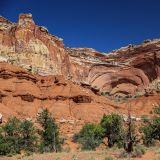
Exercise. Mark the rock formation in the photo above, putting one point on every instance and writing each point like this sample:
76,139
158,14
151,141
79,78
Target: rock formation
37,70
122,72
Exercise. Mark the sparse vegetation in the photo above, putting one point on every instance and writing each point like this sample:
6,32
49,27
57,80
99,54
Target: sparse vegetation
151,131
157,109
90,136
18,136
112,125
108,158
138,151
51,141
28,136
145,119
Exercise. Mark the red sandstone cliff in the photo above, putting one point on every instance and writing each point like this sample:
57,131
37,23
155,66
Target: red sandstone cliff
122,72
37,70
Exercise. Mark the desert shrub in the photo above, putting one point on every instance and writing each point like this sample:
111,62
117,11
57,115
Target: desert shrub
151,131
50,133
139,94
4,146
90,136
112,125
145,118
105,93
11,138
138,151
156,127
29,69
123,154
16,136
148,137
156,109
156,85
108,158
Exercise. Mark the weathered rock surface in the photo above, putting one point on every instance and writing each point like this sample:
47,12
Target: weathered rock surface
28,45
37,71
122,72
23,94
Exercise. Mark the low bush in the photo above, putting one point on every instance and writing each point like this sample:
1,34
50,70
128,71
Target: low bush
108,158
151,131
90,136
138,151
147,137
156,109
145,119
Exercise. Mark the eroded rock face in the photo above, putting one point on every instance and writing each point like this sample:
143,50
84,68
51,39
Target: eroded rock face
134,68
122,72
26,44
69,81
24,93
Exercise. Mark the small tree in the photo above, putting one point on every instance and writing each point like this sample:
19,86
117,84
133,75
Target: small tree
156,128
90,136
151,131
4,146
28,136
50,133
16,136
148,137
112,124
12,135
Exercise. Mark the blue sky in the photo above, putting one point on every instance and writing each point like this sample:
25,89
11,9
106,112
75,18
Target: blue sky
101,24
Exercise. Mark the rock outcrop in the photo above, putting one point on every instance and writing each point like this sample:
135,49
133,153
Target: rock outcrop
23,95
37,71
31,46
120,73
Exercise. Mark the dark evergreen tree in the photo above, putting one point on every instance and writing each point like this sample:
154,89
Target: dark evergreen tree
90,136
51,141
113,127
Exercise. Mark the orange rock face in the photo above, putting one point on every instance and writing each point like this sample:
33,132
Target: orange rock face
23,95
37,71
122,72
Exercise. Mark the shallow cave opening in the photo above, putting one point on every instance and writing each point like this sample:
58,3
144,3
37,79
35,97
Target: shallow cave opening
1,97
81,99
28,97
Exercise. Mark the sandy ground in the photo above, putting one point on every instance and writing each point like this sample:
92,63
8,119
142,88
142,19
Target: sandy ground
151,154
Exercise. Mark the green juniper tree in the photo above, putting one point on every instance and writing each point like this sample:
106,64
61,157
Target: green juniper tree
112,124
28,136
90,136
51,141
12,135
151,131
